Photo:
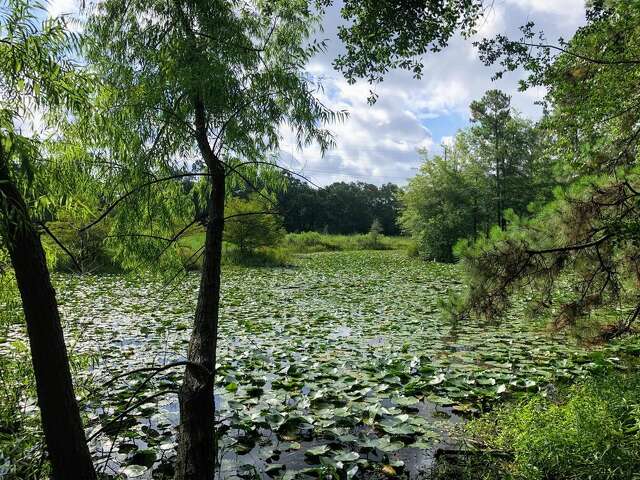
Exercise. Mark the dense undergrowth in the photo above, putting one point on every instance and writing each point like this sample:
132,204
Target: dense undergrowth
588,430
92,254
292,244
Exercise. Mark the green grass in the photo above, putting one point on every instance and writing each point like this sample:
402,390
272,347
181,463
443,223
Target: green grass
311,242
291,244
590,430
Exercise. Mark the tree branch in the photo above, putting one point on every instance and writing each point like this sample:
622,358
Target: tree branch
597,61
137,189
570,248
61,245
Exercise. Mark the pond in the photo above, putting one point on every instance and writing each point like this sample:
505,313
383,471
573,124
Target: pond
338,365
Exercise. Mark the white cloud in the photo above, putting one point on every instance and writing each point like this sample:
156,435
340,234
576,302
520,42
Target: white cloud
378,143
56,8
573,9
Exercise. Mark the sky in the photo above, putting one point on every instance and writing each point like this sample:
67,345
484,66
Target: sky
378,144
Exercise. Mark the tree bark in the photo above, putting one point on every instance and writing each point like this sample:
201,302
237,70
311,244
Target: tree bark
61,422
197,445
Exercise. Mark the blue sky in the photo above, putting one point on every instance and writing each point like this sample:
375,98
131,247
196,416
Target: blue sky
379,143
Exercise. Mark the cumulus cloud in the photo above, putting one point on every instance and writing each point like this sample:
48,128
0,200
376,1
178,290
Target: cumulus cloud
569,9
379,143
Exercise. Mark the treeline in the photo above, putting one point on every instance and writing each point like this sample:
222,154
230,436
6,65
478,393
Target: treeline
494,167
340,208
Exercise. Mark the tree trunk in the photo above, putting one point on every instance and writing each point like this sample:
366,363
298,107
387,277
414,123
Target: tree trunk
499,179
197,446
61,422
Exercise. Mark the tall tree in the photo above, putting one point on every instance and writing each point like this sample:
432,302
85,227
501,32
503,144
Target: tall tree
591,229
36,73
457,197
448,200
211,81
491,115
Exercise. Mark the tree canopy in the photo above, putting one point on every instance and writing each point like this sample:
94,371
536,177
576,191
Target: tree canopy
343,208
493,166
589,233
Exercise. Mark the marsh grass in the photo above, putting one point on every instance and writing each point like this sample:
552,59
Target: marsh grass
588,430
291,245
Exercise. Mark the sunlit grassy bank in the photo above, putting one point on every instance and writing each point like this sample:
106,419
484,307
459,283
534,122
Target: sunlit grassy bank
291,244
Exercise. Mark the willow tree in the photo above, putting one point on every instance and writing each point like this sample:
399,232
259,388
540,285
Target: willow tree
36,74
590,233
205,86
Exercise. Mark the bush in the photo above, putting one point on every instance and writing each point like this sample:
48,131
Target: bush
591,430
88,248
249,227
309,242
312,242
260,257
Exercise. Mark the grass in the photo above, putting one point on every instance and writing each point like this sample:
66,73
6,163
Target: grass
311,242
96,258
589,430
291,244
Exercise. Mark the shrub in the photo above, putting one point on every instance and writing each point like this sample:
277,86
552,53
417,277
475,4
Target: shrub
260,257
309,242
249,226
591,430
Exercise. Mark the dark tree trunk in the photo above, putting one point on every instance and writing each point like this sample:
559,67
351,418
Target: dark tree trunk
197,446
61,423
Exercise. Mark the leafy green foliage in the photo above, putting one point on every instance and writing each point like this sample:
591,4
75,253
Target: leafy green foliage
590,231
382,35
250,224
463,193
39,83
587,431
342,208
374,233
241,64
